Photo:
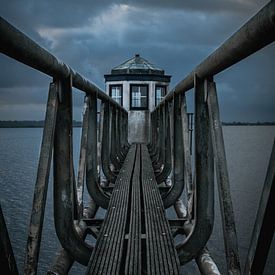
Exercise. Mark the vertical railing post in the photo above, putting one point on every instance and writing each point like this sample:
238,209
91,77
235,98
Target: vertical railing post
190,130
41,185
228,222
171,140
163,134
105,145
154,154
114,138
187,156
124,118
82,159
204,168
158,160
155,150
152,144
121,152
92,179
178,156
166,146
63,178
204,159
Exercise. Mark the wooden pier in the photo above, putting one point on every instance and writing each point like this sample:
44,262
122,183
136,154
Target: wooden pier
135,237
136,182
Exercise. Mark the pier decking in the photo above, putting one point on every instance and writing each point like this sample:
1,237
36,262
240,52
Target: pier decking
135,237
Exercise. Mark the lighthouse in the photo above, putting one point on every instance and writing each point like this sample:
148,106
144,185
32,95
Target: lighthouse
138,86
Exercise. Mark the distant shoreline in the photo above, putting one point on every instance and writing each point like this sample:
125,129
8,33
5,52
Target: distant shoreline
29,124
40,124
248,123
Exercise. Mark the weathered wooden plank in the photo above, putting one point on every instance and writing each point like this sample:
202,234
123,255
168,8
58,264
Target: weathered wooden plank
133,258
106,258
160,243
135,199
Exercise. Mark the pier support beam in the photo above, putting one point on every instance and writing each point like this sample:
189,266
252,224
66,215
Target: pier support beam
41,185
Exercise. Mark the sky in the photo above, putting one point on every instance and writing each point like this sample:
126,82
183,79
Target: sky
92,37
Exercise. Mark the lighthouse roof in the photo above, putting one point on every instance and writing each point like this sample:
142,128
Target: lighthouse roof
137,65
137,68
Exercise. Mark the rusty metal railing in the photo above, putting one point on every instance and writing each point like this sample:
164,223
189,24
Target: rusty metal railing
69,212
169,149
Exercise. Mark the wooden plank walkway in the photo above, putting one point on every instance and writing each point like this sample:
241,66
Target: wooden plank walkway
135,237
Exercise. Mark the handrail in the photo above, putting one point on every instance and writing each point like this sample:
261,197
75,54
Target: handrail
19,46
68,197
257,33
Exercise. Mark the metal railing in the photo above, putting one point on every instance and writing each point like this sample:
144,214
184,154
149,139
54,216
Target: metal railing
170,151
69,212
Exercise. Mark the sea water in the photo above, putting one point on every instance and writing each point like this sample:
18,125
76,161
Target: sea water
248,150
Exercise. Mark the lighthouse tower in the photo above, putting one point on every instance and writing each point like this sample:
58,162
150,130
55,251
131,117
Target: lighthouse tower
138,86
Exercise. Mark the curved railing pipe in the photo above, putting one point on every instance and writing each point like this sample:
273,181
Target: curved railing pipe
92,179
204,193
64,179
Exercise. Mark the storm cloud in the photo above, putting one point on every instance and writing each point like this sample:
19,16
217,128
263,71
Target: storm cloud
94,36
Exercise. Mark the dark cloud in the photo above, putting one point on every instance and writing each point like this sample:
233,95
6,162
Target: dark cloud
206,6
94,36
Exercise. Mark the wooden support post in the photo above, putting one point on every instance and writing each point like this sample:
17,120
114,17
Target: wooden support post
114,140
175,191
122,145
105,147
155,151
159,158
92,179
82,159
63,179
41,185
228,221
151,144
171,141
166,147
264,226
124,133
187,157
204,191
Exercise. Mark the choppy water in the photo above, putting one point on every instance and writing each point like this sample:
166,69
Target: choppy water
248,149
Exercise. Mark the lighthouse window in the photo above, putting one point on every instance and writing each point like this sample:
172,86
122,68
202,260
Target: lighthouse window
116,93
160,93
139,97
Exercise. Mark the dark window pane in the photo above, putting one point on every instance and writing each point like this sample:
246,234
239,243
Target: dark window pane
160,93
116,93
139,97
